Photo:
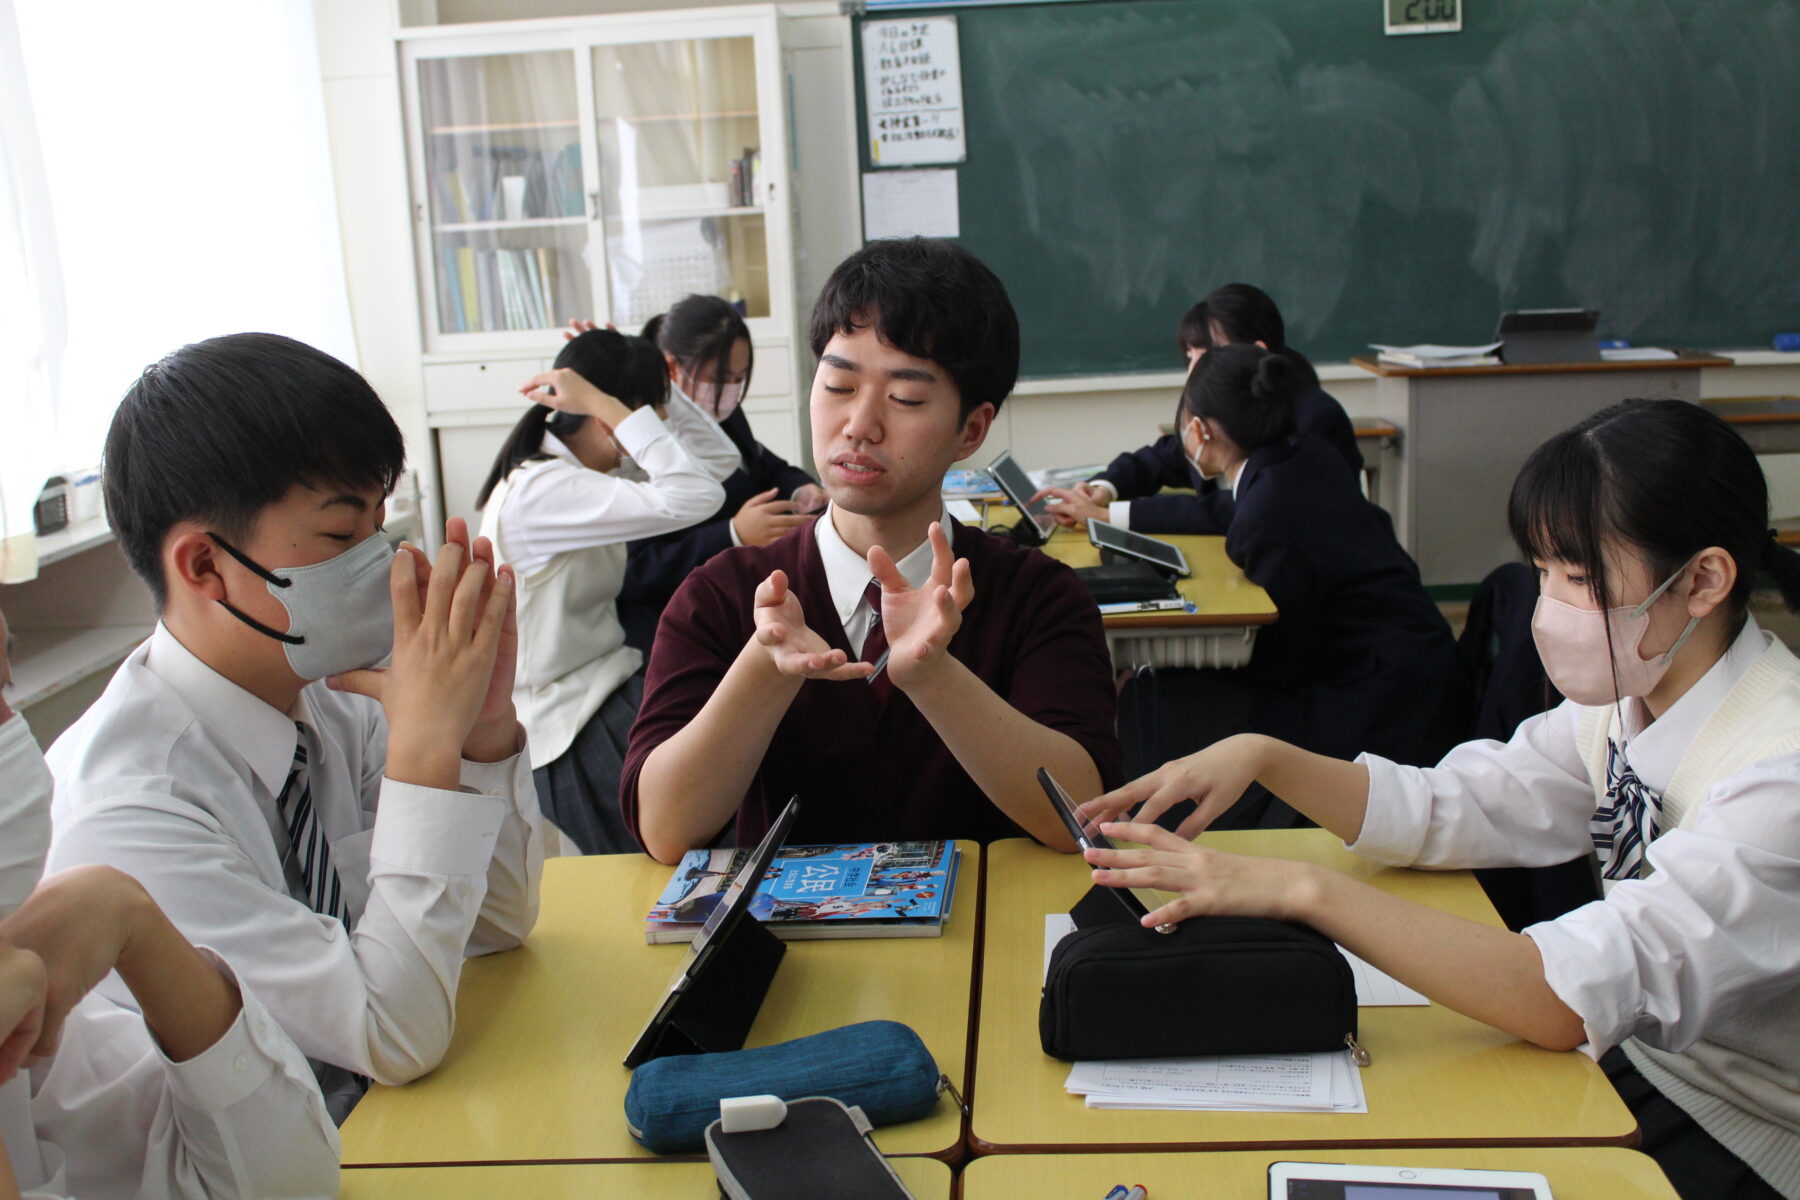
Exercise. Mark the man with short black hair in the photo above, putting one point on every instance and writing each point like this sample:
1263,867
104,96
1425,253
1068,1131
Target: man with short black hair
343,836
904,674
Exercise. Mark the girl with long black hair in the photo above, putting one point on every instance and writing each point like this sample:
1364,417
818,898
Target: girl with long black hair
562,500
1675,758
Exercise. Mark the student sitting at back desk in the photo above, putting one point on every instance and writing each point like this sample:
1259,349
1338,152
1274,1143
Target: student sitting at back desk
707,348
1675,757
1360,657
768,677
1125,493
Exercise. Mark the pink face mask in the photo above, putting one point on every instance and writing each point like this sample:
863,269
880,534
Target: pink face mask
1572,642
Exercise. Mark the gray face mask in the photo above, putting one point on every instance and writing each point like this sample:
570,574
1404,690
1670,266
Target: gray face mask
340,612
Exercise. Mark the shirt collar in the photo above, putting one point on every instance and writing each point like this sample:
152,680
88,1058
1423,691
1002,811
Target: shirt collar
557,448
847,572
1657,748
262,736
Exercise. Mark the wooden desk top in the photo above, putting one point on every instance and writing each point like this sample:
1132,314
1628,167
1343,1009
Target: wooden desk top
1437,1078
533,1071
1756,410
1687,361
1374,427
926,1178
1575,1173
1221,594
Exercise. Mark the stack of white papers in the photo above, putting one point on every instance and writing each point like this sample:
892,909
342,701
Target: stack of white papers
1427,354
1324,1082
1065,476
1637,354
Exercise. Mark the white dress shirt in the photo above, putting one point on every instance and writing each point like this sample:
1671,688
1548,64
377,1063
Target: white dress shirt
1118,512
172,776
1665,958
110,1115
671,482
848,575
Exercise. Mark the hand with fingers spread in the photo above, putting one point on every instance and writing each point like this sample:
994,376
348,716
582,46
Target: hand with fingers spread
921,621
444,687
1073,506
792,646
765,517
1213,778
581,325
1206,882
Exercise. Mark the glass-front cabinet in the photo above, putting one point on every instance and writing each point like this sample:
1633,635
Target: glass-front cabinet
599,172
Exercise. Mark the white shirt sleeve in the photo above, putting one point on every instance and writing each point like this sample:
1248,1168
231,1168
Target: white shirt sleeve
1119,513
1112,489
703,438
380,1001
1709,934
1522,803
114,1117
561,506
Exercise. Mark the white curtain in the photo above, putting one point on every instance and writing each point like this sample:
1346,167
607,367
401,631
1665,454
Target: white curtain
183,169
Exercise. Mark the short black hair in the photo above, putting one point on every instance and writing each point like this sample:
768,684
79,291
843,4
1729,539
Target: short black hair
221,429
1243,314
1249,391
1607,478
932,299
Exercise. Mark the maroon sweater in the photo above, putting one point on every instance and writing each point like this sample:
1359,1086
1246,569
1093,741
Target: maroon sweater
867,770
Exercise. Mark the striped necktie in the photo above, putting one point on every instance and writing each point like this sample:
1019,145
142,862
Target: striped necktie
875,644
306,841
1627,821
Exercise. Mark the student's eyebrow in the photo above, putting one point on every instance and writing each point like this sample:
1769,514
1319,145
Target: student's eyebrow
348,500
909,374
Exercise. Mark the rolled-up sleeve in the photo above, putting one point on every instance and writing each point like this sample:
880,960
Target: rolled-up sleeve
1521,803
1708,934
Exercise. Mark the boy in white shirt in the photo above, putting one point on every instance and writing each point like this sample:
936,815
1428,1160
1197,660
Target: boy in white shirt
344,836
201,1096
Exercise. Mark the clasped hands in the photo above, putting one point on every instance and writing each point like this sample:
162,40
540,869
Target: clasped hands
920,622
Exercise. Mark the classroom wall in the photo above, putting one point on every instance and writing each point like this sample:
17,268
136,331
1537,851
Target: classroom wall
1045,423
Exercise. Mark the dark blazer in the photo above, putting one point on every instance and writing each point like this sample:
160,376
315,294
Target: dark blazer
655,567
1139,475
1360,658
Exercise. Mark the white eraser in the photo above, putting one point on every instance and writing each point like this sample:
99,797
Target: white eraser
747,1114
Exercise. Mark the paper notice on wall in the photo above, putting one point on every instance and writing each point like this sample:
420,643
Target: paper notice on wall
910,204
912,74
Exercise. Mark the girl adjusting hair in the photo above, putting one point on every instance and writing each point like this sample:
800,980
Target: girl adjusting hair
1674,758
1125,494
710,359
589,467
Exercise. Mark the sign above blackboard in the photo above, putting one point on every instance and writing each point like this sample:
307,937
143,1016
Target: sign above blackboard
912,84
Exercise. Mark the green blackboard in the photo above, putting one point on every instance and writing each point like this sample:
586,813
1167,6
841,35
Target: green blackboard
1639,156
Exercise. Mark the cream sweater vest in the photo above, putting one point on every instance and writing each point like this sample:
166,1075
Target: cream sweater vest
1741,1083
572,651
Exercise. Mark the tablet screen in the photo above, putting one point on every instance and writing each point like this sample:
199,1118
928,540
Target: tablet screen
1110,537
1017,485
1358,1181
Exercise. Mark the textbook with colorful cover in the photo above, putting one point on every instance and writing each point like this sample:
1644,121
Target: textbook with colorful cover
868,889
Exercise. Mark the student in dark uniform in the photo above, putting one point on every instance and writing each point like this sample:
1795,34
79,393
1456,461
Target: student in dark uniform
707,346
1126,492
1360,658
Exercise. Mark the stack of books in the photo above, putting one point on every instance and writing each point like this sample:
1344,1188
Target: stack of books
1427,355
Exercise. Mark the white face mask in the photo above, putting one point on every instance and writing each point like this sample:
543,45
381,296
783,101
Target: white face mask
25,788
718,400
1194,459
1581,660
340,612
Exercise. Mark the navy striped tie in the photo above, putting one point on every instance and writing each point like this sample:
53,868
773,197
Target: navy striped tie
306,841
1628,820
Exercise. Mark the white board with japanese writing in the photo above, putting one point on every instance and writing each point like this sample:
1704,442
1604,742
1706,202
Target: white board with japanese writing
912,79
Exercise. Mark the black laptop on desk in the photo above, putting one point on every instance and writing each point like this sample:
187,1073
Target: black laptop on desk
1530,336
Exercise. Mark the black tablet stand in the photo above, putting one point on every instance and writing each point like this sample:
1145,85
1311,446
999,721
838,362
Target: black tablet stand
719,1005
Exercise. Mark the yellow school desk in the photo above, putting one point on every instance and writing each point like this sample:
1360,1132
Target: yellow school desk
925,1178
533,1072
1221,633
1584,1173
1437,1078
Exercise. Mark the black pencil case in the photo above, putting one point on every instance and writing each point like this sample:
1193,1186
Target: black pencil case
1236,985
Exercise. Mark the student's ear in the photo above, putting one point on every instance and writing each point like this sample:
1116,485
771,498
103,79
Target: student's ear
1715,574
674,367
974,430
191,563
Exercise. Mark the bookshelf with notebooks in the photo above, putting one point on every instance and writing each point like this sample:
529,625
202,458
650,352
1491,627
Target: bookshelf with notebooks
600,167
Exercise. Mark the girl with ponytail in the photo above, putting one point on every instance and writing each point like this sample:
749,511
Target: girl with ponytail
1125,493
1359,657
707,348
1674,761
590,466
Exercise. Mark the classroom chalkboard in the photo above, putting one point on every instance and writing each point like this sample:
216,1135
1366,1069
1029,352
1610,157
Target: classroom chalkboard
1638,156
